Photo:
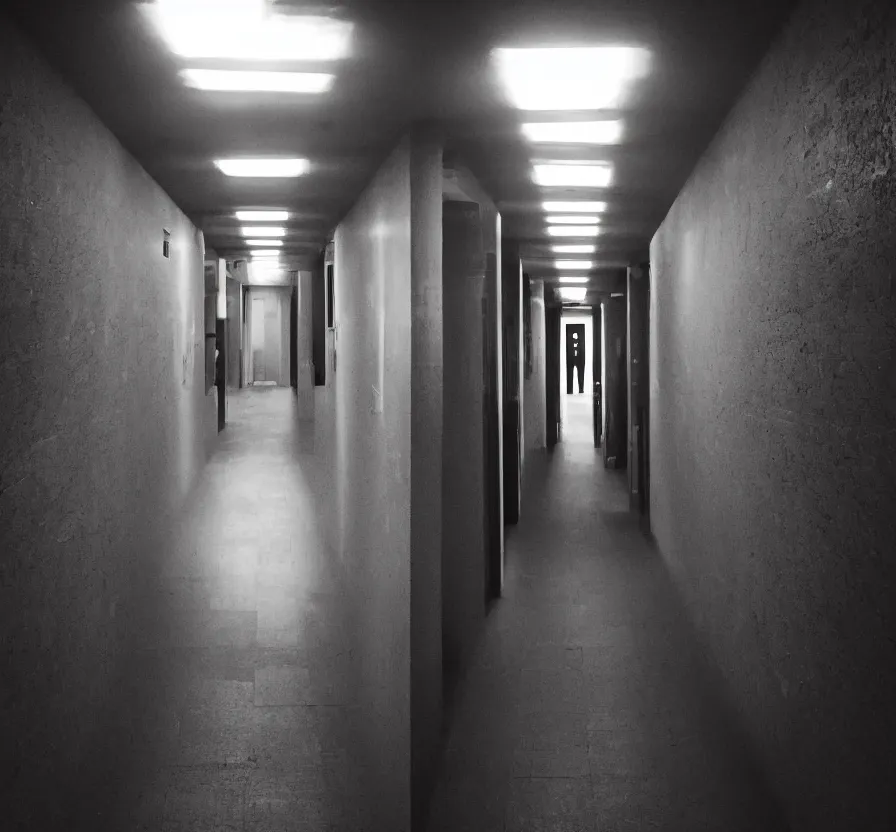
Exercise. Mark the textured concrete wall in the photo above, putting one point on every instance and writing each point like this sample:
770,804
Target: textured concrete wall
534,401
426,464
773,409
372,401
104,423
464,544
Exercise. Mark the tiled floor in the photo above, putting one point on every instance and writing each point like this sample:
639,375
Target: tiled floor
588,706
242,685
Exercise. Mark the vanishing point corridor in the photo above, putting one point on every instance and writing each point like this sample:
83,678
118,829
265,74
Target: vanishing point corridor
447,415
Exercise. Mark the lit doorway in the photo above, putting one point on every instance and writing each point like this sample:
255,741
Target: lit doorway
576,377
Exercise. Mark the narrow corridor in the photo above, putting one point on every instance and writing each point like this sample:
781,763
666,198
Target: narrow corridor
243,682
587,705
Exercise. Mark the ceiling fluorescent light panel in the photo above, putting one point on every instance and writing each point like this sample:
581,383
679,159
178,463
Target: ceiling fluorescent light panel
573,78
573,264
267,243
262,216
574,207
572,175
226,80
574,132
572,293
247,30
566,279
574,249
257,231
573,220
263,168
573,230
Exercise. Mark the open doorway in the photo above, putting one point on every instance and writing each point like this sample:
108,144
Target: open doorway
576,377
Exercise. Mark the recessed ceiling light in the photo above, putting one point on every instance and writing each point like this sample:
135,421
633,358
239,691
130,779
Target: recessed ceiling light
574,132
247,30
573,279
573,175
231,80
265,254
577,78
267,243
262,231
572,294
573,264
574,207
262,216
574,220
263,167
587,248
573,230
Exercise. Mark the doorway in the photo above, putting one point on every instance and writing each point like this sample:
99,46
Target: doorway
268,336
576,378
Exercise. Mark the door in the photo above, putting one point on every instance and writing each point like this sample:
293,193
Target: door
258,341
552,374
596,375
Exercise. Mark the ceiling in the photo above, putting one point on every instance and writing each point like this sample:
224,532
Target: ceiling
412,60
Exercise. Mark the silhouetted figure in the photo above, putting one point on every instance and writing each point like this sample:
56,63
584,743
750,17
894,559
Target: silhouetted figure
575,356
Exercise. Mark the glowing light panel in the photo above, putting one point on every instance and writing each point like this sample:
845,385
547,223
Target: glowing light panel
574,132
572,293
262,167
262,216
572,175
262,231
573,279
227,80
573,264
575,249
268,243
574,220
573,230
574,207
247,30
569,78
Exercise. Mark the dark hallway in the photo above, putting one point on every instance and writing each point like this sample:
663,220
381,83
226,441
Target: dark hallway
588,704
300,524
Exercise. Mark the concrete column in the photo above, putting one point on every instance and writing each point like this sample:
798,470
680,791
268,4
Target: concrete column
615,389
304,347
636,301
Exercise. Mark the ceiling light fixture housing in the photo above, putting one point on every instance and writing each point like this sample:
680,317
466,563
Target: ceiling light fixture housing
574,132
267,243
569,78
573,220
573,230
573,264
263,168
573,294
247,30
265,253
263,231
572,174
262,216
232,80
566,279
585,248
574,207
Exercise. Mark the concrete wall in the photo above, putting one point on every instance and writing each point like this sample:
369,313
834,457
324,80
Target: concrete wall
464,543
534,398
773,408
426,465
387,442
104,425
